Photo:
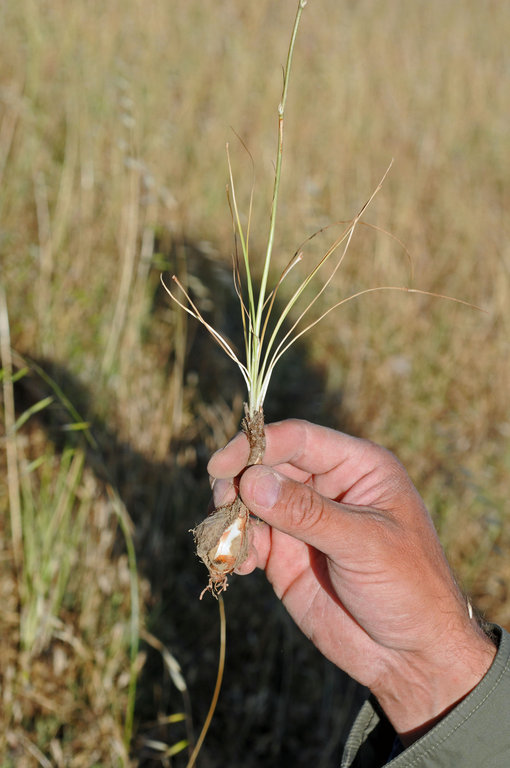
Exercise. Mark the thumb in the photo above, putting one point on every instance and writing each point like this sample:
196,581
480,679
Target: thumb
296,509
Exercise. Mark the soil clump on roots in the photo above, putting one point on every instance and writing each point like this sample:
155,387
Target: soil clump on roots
221,539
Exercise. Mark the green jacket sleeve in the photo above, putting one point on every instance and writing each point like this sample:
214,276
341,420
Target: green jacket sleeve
476,733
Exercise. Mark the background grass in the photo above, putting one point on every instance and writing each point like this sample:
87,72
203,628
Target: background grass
113,123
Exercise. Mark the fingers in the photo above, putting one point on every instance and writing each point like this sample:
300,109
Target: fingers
229,461
310,448
259,548
224,492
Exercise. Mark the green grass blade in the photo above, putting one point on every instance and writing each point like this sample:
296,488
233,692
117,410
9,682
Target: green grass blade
36,408
278,170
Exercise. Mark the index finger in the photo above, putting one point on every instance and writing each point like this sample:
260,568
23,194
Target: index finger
308,447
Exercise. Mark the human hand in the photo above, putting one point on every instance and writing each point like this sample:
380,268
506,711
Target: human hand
352,552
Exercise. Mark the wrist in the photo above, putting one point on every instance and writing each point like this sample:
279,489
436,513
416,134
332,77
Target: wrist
418,689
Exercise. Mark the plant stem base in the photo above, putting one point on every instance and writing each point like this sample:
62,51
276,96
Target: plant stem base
221,539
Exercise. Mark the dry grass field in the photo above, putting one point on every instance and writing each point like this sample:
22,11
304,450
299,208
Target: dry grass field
113,123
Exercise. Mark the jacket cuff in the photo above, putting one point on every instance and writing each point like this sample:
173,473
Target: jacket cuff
476,732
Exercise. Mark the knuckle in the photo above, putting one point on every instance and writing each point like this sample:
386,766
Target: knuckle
304,509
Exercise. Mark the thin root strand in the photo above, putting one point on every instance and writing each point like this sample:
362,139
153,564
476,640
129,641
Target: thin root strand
215,586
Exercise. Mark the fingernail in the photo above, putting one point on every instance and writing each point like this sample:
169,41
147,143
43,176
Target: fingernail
266,488
223,492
